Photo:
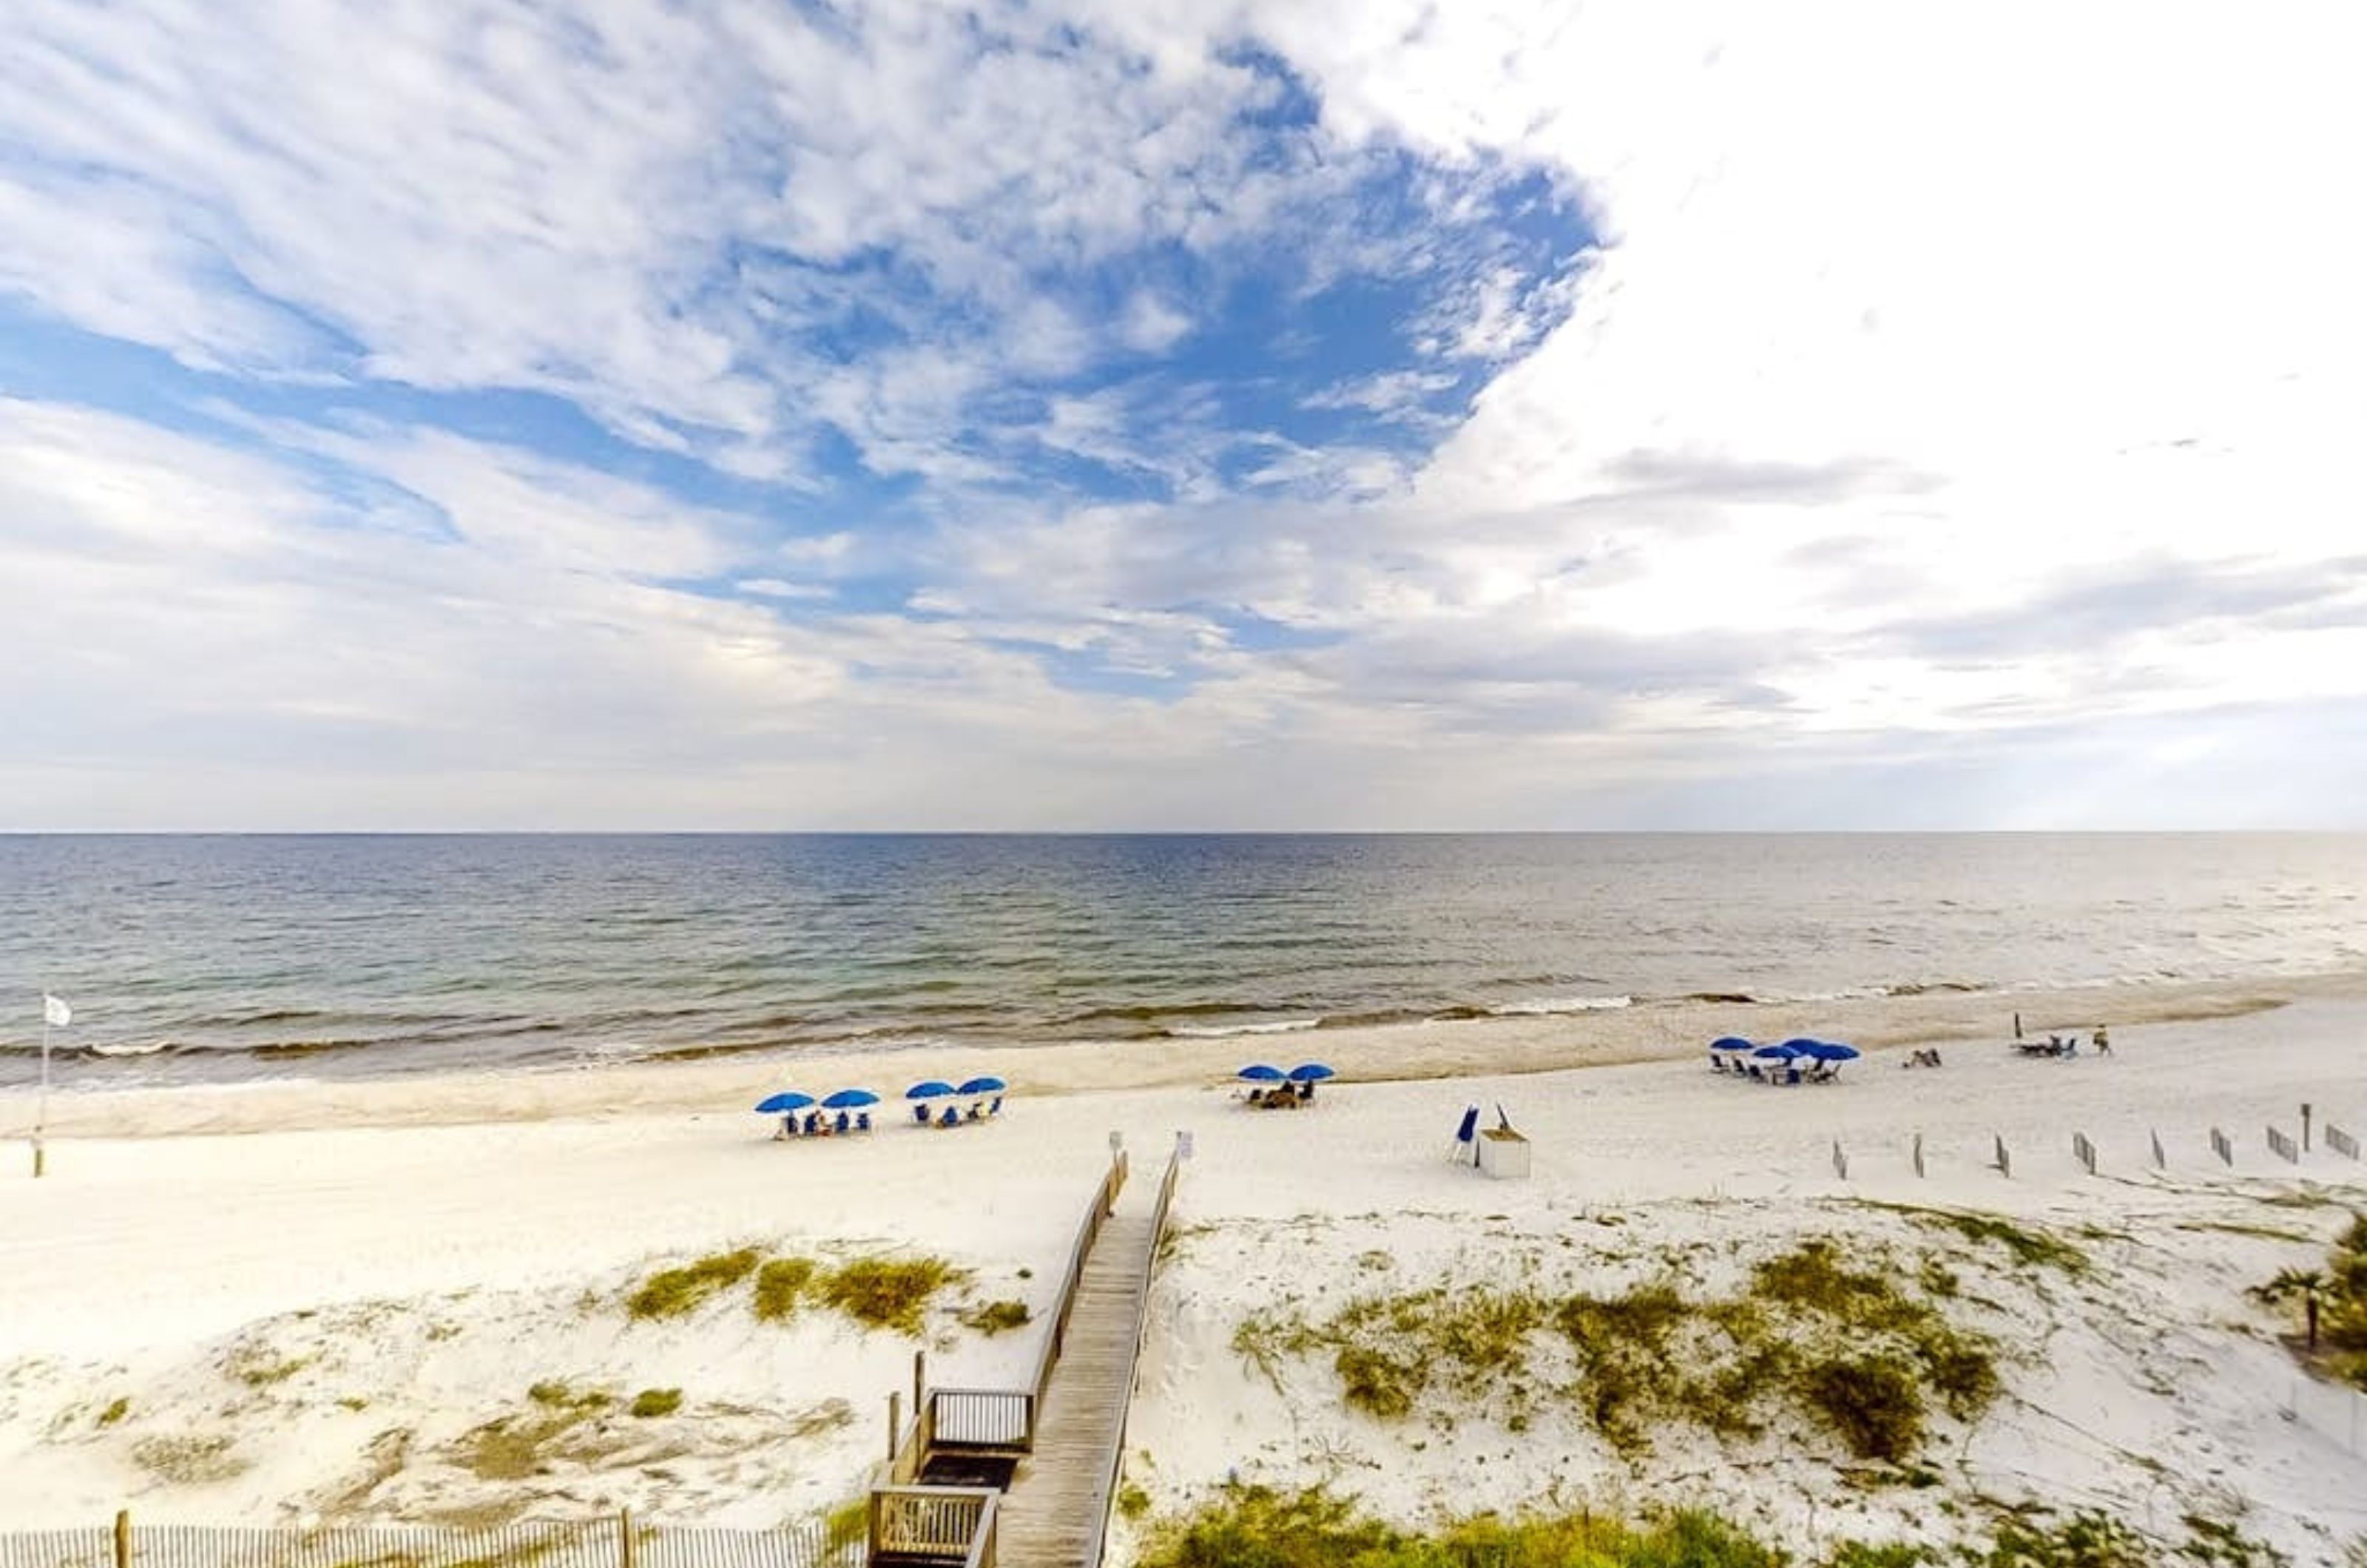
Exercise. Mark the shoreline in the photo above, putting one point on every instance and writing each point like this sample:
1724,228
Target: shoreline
1430,1049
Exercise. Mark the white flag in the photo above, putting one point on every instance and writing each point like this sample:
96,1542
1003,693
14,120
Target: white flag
55,1011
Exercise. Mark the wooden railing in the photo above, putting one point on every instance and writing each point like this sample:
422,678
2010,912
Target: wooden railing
1105,1483
982,1417
956,1522
1104,1199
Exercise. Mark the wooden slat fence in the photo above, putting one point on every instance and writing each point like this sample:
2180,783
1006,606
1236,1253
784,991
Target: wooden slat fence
2341,1142
2222,1148
2084,1151
601,1543
981,1418
2286,1148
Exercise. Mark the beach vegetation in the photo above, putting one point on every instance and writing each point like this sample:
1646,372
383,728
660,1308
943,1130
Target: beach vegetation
656,1402
559,1395
781,1283
995,1317
1261,1527
2333,1303
192,1459
849,1522
1873,1402
1844,1339
887,1292
673,1292
1133,1502
1881,1554
257,1367
116,1411
2033,1249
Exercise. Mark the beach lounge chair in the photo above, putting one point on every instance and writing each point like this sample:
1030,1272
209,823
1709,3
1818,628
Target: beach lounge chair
1752,1069
1791,1075
863,1120
842,1124
813,1124
921,1113
1716,1062
952,1118
994,1108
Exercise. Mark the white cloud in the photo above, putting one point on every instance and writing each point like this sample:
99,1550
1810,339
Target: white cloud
1959,397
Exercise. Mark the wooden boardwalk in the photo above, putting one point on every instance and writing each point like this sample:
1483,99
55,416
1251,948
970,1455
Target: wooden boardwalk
1052,1516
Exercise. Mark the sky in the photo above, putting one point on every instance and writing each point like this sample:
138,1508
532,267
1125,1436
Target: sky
1181,415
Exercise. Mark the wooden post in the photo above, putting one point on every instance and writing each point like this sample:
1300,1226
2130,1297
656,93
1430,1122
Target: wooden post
895,1423
625,1538
123,1537
2004,1160
2160,1161
2305,1128
1919,1153
920,1374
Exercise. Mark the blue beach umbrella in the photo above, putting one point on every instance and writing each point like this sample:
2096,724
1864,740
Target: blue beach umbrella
1310,1072
792,1101
930,1089
1804,1045
1827,1051
1258,1072
847,1097
1732,1043
1777,1052
988,1084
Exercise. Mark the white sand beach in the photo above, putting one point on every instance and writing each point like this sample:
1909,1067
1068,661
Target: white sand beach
301,1302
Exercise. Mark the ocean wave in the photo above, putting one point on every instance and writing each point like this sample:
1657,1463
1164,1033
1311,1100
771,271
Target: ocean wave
1223,1031
1549,1007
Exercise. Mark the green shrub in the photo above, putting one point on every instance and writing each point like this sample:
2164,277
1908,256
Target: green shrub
2086,1539
882,1293
1258,1527
994,1317
673,1292
1874,1402
654,1402
1133,1502
780,1285
1377,1384
115,1412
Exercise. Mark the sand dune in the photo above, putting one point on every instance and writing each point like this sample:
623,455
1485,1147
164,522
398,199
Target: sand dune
326,1320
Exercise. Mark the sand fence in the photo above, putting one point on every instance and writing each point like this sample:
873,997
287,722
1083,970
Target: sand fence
2284,1146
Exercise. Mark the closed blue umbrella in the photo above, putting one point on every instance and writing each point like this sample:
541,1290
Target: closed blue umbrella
1310,1072
988,1084
1259,1073
1732,1043
930,1089
792,1101
847,1098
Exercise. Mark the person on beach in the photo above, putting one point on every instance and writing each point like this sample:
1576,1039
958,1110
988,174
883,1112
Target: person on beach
2103,1045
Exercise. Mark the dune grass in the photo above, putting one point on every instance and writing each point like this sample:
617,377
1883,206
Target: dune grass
878,1293
674,1293
1261,1526
1850,1343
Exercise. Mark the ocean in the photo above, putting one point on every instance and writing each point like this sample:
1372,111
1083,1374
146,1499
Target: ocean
205,959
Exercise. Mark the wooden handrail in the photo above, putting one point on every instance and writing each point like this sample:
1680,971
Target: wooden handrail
1105,1484
1049,1353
